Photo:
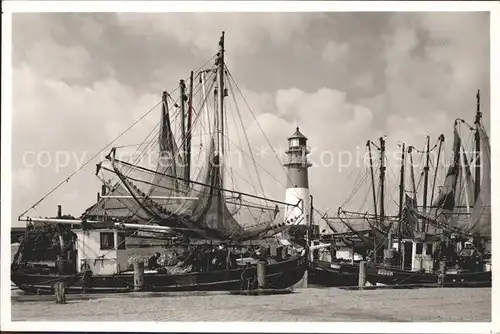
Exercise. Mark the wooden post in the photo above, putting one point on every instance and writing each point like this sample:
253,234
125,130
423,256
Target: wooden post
138,275
60,292
442,273
362,274
261,274
402,254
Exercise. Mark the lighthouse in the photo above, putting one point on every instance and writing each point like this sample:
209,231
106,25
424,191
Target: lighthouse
297,190
297,196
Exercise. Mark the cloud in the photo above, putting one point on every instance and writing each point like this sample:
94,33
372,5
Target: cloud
245,31
25,179
430,66
332,125
332,51
57,127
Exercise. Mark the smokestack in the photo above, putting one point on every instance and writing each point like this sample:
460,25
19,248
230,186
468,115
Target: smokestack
59,211
103,190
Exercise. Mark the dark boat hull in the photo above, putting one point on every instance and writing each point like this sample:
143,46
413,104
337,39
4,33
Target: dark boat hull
393,276
279,275
322,273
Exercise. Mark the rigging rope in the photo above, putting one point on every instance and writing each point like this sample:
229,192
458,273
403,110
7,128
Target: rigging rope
257,122
246,138
102,150
89,160
360,170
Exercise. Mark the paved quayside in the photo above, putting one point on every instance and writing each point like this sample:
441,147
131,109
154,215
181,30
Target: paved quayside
313,304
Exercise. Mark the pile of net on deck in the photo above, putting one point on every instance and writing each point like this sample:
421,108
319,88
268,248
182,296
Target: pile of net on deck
200,209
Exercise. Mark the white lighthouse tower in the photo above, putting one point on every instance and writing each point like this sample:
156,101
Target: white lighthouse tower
297,189
297,197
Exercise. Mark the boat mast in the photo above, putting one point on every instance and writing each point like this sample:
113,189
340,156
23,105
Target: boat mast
189,125
426,178
382,178
441,140
182,87
477,139
412,174
368,143
401,194
220,63
382,181
220,123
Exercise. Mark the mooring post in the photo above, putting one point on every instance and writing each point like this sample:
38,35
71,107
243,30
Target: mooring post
362,274
261,274
60,292
138,275
442,273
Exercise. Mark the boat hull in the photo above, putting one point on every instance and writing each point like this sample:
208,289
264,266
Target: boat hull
393,276
327,274
279,275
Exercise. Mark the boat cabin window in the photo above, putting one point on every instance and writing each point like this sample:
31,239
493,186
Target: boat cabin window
419,248
107,240
428,251
121,241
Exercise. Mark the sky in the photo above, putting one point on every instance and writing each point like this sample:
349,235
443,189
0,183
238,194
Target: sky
80,79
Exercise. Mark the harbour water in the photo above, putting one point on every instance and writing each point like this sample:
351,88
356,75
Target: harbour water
312,304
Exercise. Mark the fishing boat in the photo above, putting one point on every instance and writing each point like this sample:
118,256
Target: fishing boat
105,269
218,226
447,243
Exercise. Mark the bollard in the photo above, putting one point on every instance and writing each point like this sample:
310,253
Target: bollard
261,274
442,267
442,273
362,274
60,292
138,276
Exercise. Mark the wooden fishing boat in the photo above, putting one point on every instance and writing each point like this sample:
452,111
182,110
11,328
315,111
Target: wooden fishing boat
174,198
106,271
447,243
381,274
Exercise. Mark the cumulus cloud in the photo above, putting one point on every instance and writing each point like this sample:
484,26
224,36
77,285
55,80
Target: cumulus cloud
57,127
246,31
